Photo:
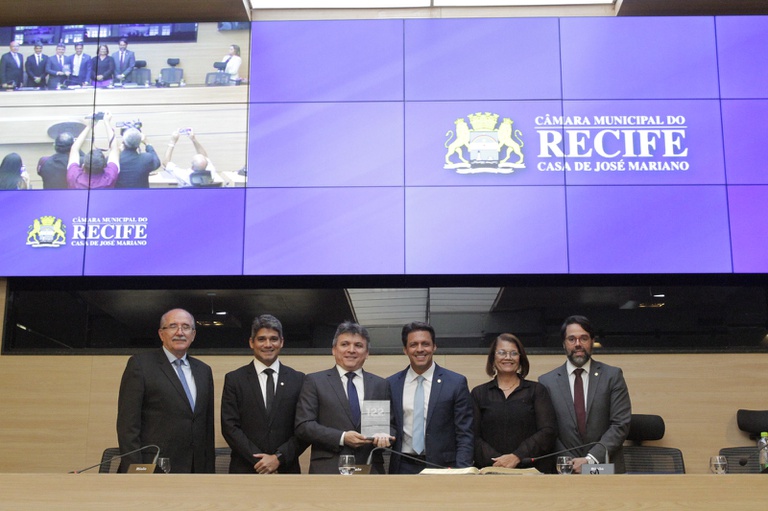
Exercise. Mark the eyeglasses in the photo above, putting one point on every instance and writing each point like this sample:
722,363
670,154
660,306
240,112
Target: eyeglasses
505,354
584,339
173,327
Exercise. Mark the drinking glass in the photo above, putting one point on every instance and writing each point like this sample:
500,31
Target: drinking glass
564,465
347,464
164,464
718,465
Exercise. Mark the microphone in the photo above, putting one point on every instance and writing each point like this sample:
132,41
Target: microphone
402,454
527,462
117,457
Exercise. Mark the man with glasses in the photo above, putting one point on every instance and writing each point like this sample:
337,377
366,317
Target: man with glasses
258,407
591,400
166,399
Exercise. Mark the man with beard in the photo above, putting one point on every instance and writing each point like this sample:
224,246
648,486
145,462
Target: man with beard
166,399
590,399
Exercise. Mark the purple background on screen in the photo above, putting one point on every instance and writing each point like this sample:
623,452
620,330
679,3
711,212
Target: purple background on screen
749,228
485,230
648,229
349,60
639,58
20,209
702,139
326,144
189,232
469,59
745,130
425,142
321,231
743,56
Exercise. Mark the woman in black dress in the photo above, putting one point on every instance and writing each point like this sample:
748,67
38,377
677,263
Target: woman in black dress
514,417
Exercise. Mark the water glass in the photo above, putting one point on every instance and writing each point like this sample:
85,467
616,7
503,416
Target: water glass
564,465
164,464
718,465
347,464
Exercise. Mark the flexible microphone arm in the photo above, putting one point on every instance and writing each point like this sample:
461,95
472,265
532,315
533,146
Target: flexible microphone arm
117,457
392,451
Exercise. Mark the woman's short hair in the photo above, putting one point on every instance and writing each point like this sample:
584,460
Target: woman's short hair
490,367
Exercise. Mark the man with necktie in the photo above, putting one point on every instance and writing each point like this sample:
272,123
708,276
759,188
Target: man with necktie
80,65
591,399
431,408
166,399
328,414
35,67
258,407
57,68
125,61
12,68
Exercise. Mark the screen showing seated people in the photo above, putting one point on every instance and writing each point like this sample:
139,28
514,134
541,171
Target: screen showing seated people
385,147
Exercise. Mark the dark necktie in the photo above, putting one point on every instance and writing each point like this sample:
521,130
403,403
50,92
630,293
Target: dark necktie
354,402
61,63
270,390
178,363
578,403
122,56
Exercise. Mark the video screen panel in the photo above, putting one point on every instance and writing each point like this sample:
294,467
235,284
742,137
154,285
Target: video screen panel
406,135
749,226
648,229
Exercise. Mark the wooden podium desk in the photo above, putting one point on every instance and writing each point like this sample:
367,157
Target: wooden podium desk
115,492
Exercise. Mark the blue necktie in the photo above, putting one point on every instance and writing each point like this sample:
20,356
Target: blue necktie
418,416
178,363
354,402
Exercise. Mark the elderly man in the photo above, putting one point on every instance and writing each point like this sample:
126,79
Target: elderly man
166,399
12,68
328,415
258,407
201,172
591,400
135,166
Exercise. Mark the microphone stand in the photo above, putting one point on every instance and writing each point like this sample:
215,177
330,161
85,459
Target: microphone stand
369,461
117,457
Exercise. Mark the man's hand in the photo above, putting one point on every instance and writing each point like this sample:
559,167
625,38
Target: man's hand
382,440
267,464
507,460
354,439
577,463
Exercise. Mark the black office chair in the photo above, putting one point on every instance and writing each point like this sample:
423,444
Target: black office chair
111,467
141,74
744,460
172,75
646,459
223,454
216,79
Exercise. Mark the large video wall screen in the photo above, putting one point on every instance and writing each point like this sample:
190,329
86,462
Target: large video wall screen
418,147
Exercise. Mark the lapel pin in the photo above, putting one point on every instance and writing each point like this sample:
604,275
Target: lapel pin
439,381
282,383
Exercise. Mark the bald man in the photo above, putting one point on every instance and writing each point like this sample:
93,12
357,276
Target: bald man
201,171
166,399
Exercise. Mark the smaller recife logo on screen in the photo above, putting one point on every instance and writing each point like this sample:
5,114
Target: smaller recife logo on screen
47,231
485,147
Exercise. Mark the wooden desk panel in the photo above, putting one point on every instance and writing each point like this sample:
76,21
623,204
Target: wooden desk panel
334,492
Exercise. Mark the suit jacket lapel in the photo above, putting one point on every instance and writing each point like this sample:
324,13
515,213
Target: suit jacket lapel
170,372
594,382
254,386
564,386
198,374
434,392
341,395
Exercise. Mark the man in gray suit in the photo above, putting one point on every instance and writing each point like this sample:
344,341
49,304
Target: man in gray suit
592,408
328,412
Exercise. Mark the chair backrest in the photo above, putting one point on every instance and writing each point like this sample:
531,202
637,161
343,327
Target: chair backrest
643,459
216,78
737,455
645,427
108,454
223,455
171,74
142,76
752,421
